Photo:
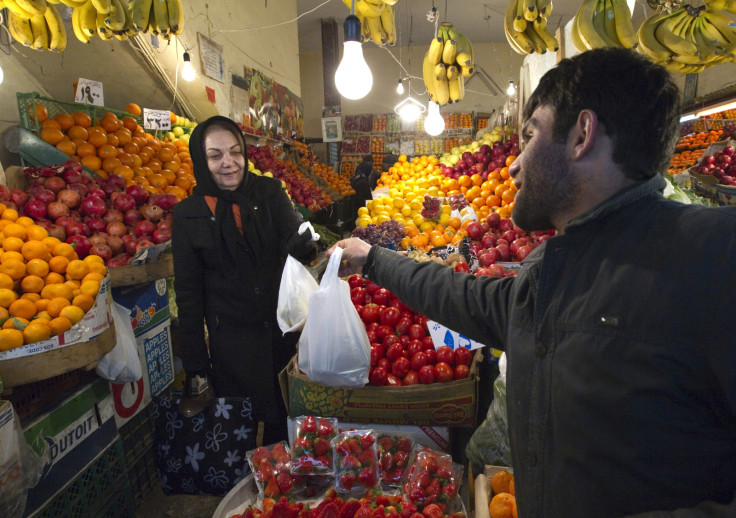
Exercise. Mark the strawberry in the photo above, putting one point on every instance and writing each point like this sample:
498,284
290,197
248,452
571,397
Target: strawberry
309,425
347,481
407,509
401,458
385,443
284,481
367,457
265,470
272,489
423,478
432,491
349,463
367,440
349,508
367,477
321,446
382,500
404,444
364,511
325,428
378,512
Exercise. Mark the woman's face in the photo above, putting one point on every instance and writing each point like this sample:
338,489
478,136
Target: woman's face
225,158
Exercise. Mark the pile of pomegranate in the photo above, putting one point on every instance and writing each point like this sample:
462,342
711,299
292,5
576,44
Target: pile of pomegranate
99,216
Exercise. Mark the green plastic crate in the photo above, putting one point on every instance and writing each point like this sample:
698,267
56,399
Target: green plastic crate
102,490
55,107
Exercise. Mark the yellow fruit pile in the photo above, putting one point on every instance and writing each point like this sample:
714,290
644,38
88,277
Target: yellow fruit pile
503,502
44,287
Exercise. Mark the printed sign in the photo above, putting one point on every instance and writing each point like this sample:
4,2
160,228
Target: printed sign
156,119
89,92
444,336
210,54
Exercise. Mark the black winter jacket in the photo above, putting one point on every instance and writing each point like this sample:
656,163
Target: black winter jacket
621,381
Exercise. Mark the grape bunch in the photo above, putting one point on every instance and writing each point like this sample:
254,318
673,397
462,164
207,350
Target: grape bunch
430,207
457,201
388,234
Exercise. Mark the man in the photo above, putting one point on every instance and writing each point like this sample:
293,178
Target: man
360,182
621,381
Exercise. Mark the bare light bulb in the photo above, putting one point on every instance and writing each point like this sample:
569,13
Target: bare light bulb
187,71
434,124
400,88
2,75
511,90
353,77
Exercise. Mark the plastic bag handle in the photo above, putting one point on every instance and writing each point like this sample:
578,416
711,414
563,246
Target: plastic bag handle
333,267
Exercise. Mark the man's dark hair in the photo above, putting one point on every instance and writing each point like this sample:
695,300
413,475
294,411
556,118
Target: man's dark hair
636,101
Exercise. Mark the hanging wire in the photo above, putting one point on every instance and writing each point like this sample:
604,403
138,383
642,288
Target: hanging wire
280,23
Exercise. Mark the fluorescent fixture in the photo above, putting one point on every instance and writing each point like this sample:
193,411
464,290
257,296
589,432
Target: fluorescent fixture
409,109
716,109
688,117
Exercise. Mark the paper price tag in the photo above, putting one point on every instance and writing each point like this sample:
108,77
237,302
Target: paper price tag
156,119
89,92
444,336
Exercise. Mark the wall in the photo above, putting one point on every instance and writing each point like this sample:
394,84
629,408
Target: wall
124,67
497,59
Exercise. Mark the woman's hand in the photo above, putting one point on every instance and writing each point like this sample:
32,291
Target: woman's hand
354,255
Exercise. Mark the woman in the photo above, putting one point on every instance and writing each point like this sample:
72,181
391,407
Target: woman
230,241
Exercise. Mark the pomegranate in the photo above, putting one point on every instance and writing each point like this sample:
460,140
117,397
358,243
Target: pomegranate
166,201
55,184
152,212
123,201
112,215
101,250
98,239
57,231
35,208
117,181
57,209
81,245
116,244
4,193
79,188
118,260
130,244
139,193
108,188
93,205
18,197
116,228
144,243
95,190
96,225
144,228
164,223
76,228
161,235
72,176
131,217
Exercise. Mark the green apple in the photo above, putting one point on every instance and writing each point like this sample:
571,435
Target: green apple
178,131
185,138
170,135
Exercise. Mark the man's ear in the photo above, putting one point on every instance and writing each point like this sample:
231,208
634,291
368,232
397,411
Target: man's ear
583,134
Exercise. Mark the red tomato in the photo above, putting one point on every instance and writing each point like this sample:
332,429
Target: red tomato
383,331
396,303
372,336
400,367
461,372
378,376
428,343
382,297
426,375
416,332
384,364
462,266
418,360
411,378
431,356
371,287
443,372
377,352
402,326
414,347
357,296
390,316
394,352
392,380
355,281
463,356
446,355
371,313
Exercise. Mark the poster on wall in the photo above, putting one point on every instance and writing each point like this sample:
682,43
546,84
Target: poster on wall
331,129
265,107
210,55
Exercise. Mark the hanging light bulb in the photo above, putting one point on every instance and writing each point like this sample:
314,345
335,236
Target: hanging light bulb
511,90
434,124
400,87
187,71
353,78
2,75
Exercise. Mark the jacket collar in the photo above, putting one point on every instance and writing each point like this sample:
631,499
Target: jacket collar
619,200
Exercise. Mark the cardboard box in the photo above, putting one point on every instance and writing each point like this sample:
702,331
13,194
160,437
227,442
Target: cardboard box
72,435
148,304
439,404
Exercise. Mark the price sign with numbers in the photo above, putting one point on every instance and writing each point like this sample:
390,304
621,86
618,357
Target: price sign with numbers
89,92
156,119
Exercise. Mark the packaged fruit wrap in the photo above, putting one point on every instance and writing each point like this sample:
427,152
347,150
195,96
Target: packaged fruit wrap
271,469
393,459
433,479
356,462
311,451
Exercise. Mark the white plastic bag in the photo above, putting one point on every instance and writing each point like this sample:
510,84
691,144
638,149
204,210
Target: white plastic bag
297,284
334,348
121,365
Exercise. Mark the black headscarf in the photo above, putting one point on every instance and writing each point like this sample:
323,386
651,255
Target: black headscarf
233,244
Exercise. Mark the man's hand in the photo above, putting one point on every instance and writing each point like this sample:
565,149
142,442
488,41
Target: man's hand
354,255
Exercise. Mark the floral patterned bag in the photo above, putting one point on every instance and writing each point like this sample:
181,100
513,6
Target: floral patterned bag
203,454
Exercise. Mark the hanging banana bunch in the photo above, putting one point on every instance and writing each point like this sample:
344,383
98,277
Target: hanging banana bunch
525,26
39,27
121,19
721,5
688,40
447,64
376,19
603,23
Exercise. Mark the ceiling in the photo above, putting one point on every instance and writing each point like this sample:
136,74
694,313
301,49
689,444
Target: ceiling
480,20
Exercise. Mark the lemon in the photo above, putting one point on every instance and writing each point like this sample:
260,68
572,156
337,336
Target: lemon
363,211
446,209
426,226
382,218
399,203
444,219
406,211
418,219
363,221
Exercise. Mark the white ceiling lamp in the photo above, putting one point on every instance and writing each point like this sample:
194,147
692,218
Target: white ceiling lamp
716,109
434,124
187,71
353,77
400,87
409,109
511,90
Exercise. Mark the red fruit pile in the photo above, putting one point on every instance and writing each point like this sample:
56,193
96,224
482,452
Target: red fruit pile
721,165
311,451
393,458
402,352
432,479
99,216
356,461
271,468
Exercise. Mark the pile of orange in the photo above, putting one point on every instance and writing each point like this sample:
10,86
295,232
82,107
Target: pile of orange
120,146
44,287
340,183
503,501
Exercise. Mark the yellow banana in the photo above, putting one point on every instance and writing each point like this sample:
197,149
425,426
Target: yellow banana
17,10
457,89
711,33
449,50
716,5
428,76
388,22
577,41
73,3
129,28
40,32
102,6
434,53
609,22
88,18
464,54
649,44
120,36
537,42
378,35
115,19
452,72
667,37
722,25
467,72
544,8
519,20
550,42
529,7
57,31
624,28
442,88
600,24
518,41
141,11
20,29
586,28
706,38
540,22
369,10
161,13
81,35
35,7
365,33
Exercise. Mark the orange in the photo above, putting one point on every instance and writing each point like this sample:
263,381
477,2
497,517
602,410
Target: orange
15,323
55,306
33,297
32,284
93,259
7,297
37,267
90,288
14,269
4,313
52,135
107,151
131,148
78,132
113,140
158,181
7,256
22,308
94,275
63,290
38,112
110,122
10,339
76,269
50,123
51,241
37,331
82,119
67,146
6,282
60,325
512,488
65,121
10,214
58,264
97,139
503,505
169,175
109,164
124,136
91,162
86,149
177,191
36,232
73,313
41,305
133,108
84,301
125,158
124,171
165,154
54,278
34,250
500,482
26,222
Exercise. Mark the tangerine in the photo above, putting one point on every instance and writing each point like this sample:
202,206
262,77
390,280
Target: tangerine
60,325
82,119
37,331
73,313
133,108
53,278
91,162
50,123
32,284
9,214
22,308
84,301
7,297
52,135
65,121
14,269
503,505
10,339
55,306
38,112
37,267
67,147
34,250
500,482
86,149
